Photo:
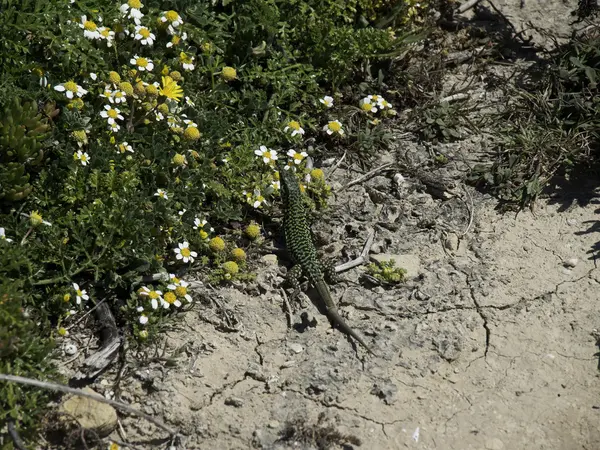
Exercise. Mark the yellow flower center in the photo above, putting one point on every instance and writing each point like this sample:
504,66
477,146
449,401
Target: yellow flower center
35,219
112,113
192,133
366,106
70,86
136,4
66,297
185,252
203,235
375,98
293,124
181,291
268,155
89,25
78,292
185,58
122,148
172,16
335,126
170,298
119,94
84,158
105,32
175,280
141,62
62,331
145,32
298,156
153,295
175,40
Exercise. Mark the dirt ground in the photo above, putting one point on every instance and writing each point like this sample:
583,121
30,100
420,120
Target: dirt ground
489,345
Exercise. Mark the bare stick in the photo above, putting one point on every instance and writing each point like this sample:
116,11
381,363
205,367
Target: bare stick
14,435
86,314
338,163
80,393
369,175
363,258
471,209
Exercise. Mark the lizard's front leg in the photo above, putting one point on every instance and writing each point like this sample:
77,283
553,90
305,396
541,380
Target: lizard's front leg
293,278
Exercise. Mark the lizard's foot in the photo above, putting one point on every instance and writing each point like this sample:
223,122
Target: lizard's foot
328,269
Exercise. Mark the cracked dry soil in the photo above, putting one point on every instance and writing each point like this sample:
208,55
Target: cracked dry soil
490,345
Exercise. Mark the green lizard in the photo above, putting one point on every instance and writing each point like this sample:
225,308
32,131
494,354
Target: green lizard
298,241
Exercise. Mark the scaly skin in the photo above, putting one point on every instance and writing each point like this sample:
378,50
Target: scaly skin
299,243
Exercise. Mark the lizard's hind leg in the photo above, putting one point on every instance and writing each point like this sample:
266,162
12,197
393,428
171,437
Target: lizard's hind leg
293,278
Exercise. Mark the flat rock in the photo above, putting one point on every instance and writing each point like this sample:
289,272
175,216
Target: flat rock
90,414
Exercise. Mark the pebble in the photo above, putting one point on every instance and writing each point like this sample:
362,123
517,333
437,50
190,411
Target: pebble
295,347
70,349
234,401
451,242
572,262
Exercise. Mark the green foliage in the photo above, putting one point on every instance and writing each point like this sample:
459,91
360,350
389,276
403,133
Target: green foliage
387,272
553,127
22,133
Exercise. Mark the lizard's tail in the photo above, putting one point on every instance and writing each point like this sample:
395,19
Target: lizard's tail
334,315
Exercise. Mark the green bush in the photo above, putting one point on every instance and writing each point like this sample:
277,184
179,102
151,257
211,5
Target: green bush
134,153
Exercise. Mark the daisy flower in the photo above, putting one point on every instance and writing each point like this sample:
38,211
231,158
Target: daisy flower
367,106
131,10
295,128
84,158
161,193
172,18
266,154
106,34
90,29
114,127
111,114
258,199
124,147
334,127
142,63
180,289
3,235
153,295
297,156
80,294
199,223
70,88
144,35
187,61
118,97
327,101
183,252
170,299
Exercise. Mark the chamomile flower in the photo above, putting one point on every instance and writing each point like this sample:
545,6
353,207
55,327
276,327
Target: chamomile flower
93,76
80,294
385,104
144,35
267,155
327,101
143,319
258,199
187,61
82,157
90,29
111,114
184,253
114,127
180,289
3,235
143,64
106,34
189,102
276,184
124,147
153,295
71,89
375,98
170,299
162,194
367,106
294,127
172,18
117,97
334,127
176,39
199,223
131,10
297,156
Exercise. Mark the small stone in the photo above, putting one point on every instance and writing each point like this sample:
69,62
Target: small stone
451,242
572,262
273,424
234,401
270,259
70,349
91,414
288,364
295,347
571,221
399,179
